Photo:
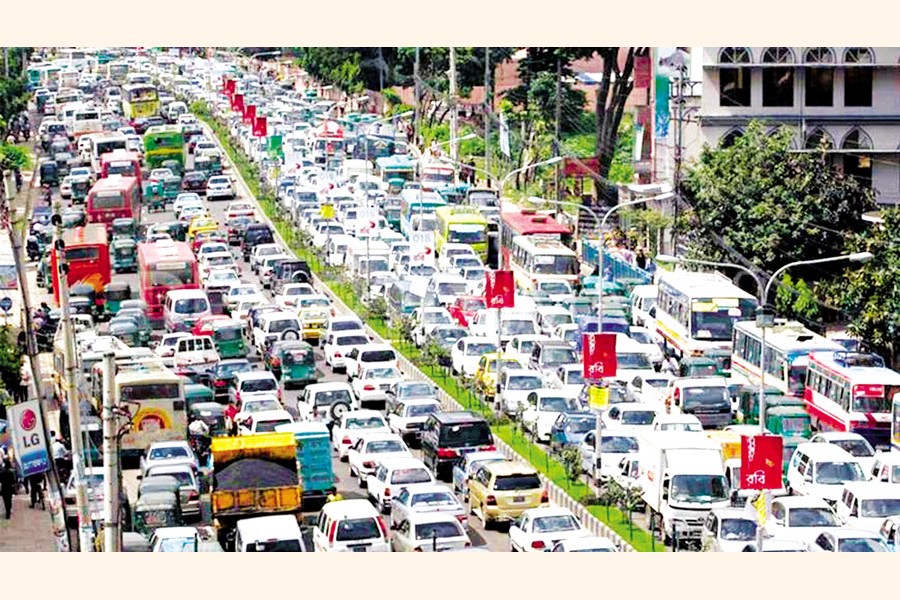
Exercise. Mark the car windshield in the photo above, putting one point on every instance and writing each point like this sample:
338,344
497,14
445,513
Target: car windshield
879,508
574,376
226,369
259,385
858,448
436,318
743,530
434,499
191,306
555,287
415,390
812,517
618,444
836,473
186,544
271,425
641,337
638,417
422,270
449,334
380,446
351,340
860,545
554,404
699,488
446,529
517,327
327,398
377,356
422,410
346,326
557,319
413,475
451,288
275,546
555,523
705,396
168,452
632,360
351,530
365,423
480,348
476,433
382,373
558,356
581,425
524,382
509,483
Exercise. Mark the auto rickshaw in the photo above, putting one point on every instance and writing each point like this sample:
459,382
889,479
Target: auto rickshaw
142,322
298,364
123,228
215,163
114,293
195,393
204,164
157,509
136,303
73,217
126,330
80,189
49,172
395,185
211,413
88,291
170,188
123,251
82,305
229,339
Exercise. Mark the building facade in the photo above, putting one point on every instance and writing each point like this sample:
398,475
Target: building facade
847,98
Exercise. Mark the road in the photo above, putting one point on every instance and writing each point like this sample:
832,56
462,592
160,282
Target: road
495,540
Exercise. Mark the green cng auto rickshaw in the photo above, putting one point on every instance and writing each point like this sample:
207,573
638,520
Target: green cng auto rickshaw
228,337
80,189
298,364
196,393
141,320
123,228
157,509
204,164
211,413
171,187
124,255
126,330
114,293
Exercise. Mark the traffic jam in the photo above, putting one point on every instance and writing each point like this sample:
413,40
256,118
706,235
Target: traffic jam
261,414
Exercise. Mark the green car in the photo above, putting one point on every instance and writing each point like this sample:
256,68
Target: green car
114,293
124,255
228,336
298,364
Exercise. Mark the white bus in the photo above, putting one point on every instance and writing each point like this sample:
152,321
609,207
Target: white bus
103,143
851,391
86,120
696,311
534,260
788,345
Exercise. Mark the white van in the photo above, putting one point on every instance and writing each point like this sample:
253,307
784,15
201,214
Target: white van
174,110
183,307
643,303
821,470
274,533
350,526
866,504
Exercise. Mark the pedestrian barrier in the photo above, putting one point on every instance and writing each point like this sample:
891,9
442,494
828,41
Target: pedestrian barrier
615,267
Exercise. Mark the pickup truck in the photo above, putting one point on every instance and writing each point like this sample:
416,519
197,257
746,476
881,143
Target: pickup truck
253,476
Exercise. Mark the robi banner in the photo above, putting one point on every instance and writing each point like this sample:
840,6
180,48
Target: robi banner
761,457
237,103
259,127
599,355
500,289
249,114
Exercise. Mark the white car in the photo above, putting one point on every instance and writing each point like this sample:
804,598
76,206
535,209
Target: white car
226,278
167,345
630,415
421,499
847,540
210,247
569,379
429,532
544,407
370,355
240,207
276,325
261,251
251,406
515,386
168,453
266,268
407,417
238,293
800,518
585,544
190,211
264,421
853,443
253,384
392,475
343,324
427,319
550,317
467,352
326,402
337,345
219,187
290,292
371,448
539,529
451,250
352,425
649,388
373,383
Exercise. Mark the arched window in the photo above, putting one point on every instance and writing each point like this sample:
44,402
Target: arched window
730,138
734,82
858,164
819,79
858,79
778,81
817,139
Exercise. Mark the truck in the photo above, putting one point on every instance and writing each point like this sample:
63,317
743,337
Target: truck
253,476
313,458
682,477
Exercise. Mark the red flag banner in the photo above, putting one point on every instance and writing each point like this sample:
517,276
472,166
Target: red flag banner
237,103
500,289
259,127
761,460
642,71
250,114
230,86
599,355
582,167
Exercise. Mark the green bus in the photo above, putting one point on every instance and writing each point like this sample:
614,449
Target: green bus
162,143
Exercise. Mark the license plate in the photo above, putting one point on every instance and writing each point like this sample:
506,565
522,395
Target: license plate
362,548
385,386
518,498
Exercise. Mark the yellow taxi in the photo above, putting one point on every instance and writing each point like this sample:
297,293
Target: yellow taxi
201,223
313,321
486,373
503,490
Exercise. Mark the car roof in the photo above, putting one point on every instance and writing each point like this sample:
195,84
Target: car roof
509,467
255,375
819,452
175,532
342,509
402,462
790,502
431,517
588,542
363,412
271,415
548,511
328,386
169,444
461,416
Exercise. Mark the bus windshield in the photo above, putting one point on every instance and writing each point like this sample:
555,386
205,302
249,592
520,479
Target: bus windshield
716,325
150,391
873,405
548,264
467,234
108,200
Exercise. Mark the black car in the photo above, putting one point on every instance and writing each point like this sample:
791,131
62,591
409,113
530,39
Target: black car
223,373
289,271
448,435
194,181
143,123
255,234
235,227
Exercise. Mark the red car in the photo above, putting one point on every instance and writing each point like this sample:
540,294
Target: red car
203,326
465,307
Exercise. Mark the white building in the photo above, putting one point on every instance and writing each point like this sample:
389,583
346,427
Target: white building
848,97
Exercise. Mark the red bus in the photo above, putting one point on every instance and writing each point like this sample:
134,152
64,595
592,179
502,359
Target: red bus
516,221
165,266
114,197
87,254
120,162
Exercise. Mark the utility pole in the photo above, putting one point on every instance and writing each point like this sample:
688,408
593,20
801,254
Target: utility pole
679,126
418,116
556,148
54,489
110,456
488,110
454,117
85,526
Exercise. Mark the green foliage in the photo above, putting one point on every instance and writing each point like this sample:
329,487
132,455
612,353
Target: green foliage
10,361
796,299
571,461
12,157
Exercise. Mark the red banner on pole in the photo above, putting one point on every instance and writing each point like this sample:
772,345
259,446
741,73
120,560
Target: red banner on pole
237,103
250,114
761,462
500,289
230,86
599,355
642,71
259,127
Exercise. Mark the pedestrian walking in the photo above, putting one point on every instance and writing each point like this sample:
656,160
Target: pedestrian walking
36,485
7,486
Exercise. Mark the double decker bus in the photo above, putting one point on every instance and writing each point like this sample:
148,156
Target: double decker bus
139,100
787,349
162,143
164,266
461,225
417,210
87,254
535,260
120,162
696,312
114,197
153,395
528,223
851,391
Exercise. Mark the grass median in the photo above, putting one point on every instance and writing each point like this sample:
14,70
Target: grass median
615,519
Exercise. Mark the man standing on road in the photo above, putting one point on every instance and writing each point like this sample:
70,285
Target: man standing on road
7,486
230,413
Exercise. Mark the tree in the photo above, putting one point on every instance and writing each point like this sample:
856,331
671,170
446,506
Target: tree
762,204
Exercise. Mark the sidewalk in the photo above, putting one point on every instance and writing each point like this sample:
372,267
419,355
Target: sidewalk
29,529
